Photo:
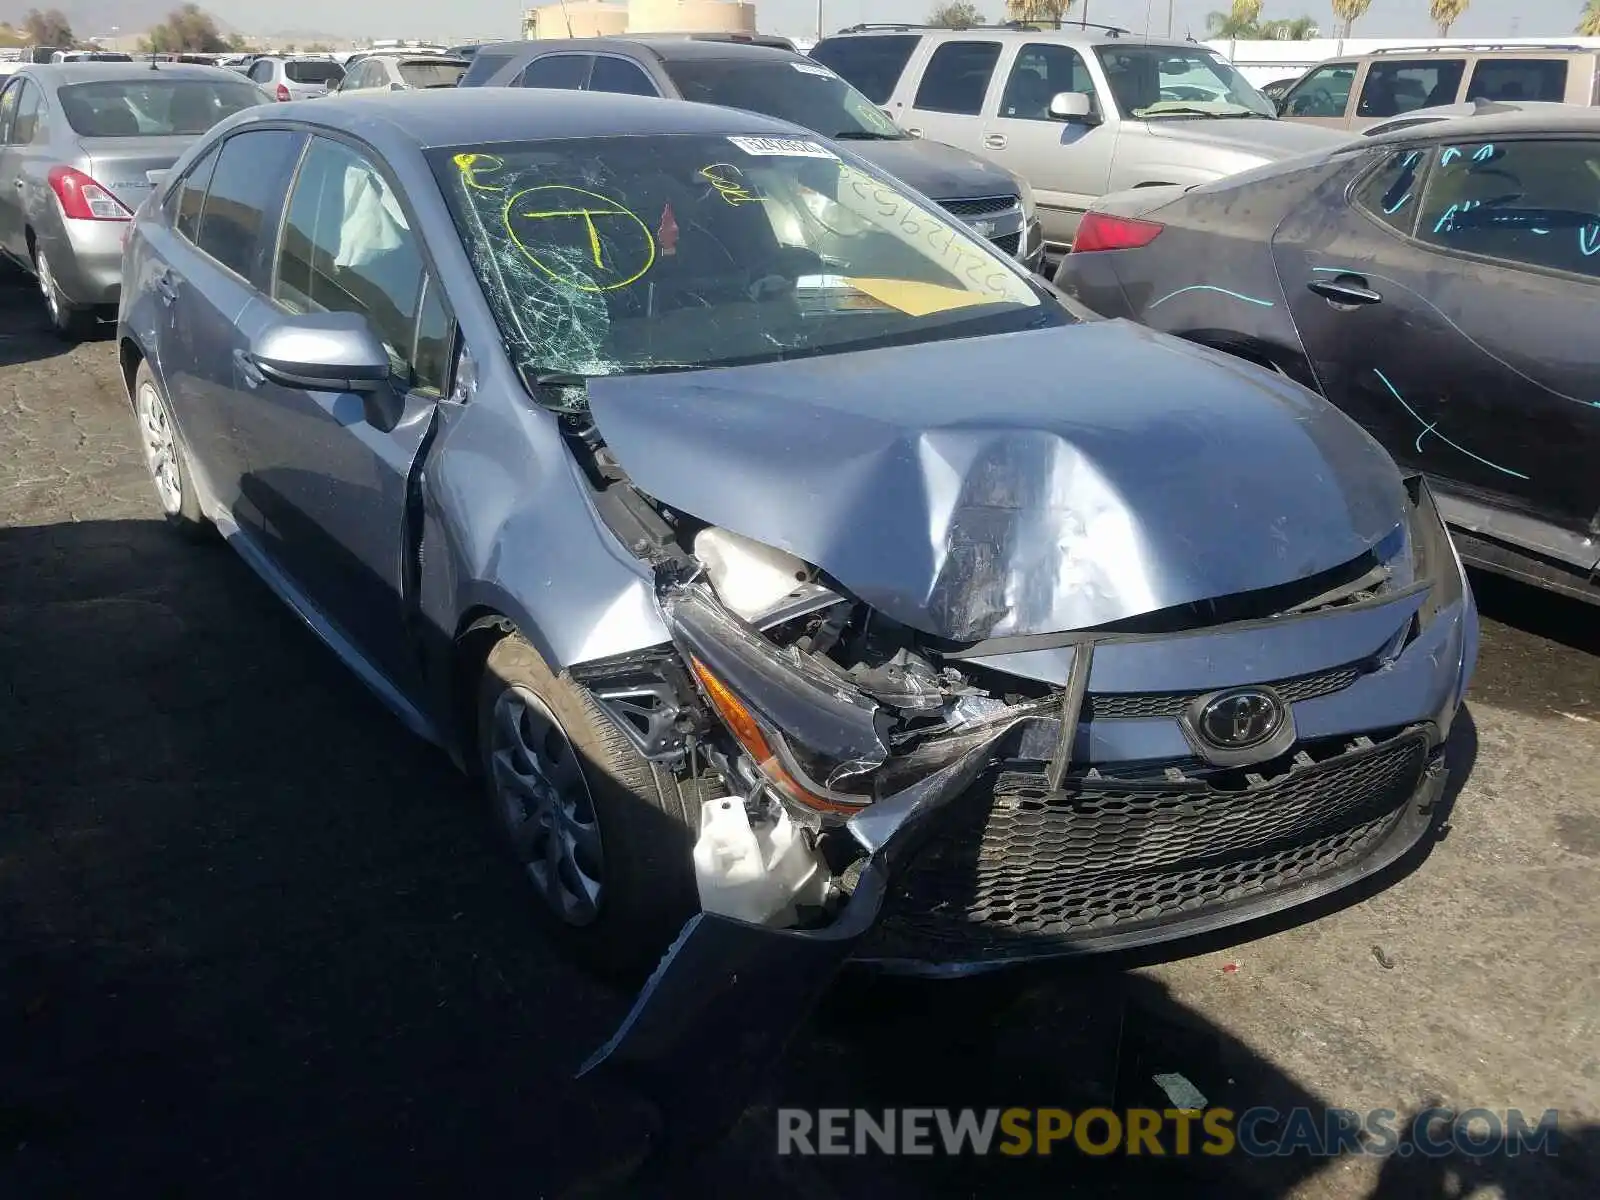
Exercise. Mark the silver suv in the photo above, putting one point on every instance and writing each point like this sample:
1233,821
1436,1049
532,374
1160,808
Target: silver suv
297,78
1076,112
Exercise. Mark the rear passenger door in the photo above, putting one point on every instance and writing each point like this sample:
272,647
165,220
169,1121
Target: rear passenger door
1068,164
951,92
213,261
1448,306
329,486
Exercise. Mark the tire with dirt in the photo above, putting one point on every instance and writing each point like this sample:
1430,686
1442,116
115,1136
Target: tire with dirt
71,324
165,459
604,836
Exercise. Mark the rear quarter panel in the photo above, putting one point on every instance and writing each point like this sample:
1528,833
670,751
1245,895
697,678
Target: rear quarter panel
1210,277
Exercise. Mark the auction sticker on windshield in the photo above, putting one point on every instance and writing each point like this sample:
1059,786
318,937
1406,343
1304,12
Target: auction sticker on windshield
774,147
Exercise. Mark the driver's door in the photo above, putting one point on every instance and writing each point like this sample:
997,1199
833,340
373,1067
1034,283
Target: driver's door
1322,97
329,484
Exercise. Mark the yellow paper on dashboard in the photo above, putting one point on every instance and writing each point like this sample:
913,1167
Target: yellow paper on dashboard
915,298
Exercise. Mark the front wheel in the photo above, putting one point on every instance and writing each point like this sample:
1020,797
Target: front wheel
604,837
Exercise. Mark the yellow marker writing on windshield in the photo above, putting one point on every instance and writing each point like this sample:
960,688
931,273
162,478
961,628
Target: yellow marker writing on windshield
473,165
618,242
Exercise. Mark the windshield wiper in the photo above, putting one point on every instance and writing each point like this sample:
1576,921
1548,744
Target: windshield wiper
868,135
578,379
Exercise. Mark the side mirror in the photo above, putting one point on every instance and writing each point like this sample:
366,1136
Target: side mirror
1075,108
156,178
322,352
397,87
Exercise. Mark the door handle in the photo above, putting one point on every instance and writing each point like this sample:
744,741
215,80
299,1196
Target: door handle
165,289
1346,289
995,141
913,131
248,371
17,183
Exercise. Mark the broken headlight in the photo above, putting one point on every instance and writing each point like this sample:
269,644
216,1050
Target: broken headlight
814,738
1433,555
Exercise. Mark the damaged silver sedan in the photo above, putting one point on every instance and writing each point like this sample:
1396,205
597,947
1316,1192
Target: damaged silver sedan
803,579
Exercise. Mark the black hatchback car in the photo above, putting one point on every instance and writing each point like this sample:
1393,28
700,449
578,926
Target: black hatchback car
1439,284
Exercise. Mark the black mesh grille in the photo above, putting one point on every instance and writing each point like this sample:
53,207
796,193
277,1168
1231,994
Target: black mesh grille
980,206
1172,704
1108,854
1008,242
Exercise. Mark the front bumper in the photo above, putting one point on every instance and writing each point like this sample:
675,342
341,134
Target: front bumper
982,865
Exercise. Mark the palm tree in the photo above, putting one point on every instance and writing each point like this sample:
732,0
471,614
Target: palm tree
1349,12
1589,23
1038,12
1446,13
1242,21
1292,29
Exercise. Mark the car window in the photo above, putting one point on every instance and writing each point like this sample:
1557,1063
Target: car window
1166,82
313,70
246,186
28,123
431,74
557,71
435,339
8,109
957,78
186,202
1323,93
1393,192
872,65
1519,79
1530,202
1392,88
358,77
1041,72
619,75
602,255
154,107
483,66
261,71
348,247
795,90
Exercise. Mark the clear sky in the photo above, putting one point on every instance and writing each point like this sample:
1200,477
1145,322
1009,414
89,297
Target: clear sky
501,18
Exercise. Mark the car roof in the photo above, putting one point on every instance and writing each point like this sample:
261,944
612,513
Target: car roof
482,116
56,74
1554,118
663,47
1099,35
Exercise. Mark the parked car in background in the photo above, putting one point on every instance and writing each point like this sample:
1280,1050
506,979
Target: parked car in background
70,56
402,72
297,78
1438,284
1077,112
1359,91
467,50
78,145
1278,88
783,84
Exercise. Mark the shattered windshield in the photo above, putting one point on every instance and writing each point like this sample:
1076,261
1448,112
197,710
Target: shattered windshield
603,256
1164,81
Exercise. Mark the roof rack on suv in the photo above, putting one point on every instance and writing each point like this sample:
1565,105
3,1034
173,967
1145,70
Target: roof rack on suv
1063,23
1472,47
870,26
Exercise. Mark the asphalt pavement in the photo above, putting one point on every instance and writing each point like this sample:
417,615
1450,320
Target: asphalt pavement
255,940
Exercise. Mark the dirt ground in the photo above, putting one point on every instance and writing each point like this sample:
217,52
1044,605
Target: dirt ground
253,937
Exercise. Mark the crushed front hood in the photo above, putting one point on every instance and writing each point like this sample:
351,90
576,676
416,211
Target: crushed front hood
1015,484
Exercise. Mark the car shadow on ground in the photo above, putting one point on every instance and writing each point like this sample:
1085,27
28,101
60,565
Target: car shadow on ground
254,937
25,333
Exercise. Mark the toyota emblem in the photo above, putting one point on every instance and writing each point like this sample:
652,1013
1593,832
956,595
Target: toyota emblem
1240,719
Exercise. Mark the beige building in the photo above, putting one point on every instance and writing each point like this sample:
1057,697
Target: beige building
599,18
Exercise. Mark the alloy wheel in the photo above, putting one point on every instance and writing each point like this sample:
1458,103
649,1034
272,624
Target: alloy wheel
47,286
160,448
543,800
